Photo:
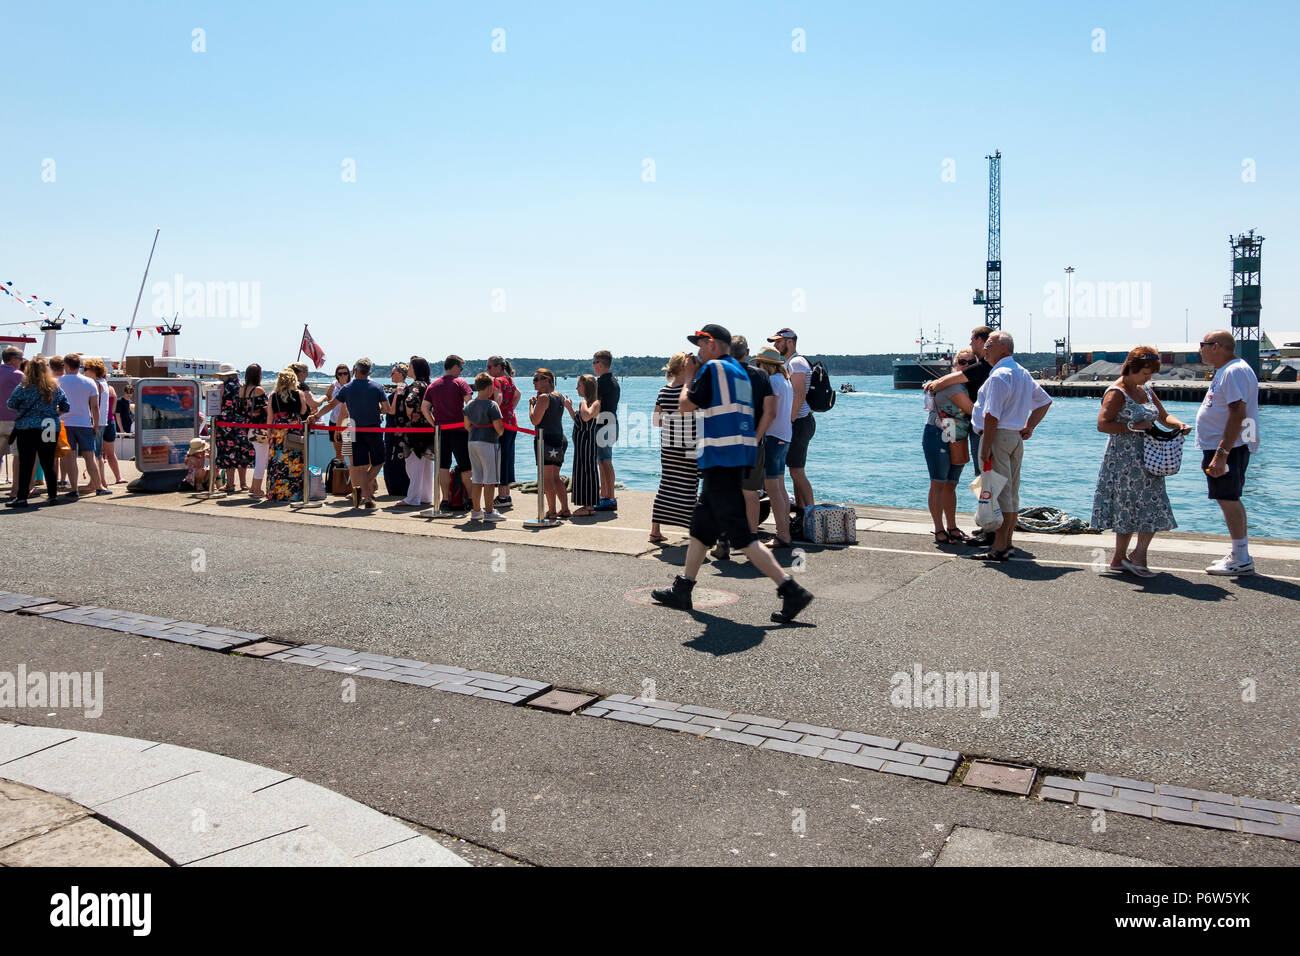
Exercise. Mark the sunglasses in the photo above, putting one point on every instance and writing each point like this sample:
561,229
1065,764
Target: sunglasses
703,335
1204,344
965,361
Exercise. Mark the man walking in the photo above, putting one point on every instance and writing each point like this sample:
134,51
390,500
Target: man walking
444,404
804,426
1008,409
607,392
365,402
720,398
83,397
1227,433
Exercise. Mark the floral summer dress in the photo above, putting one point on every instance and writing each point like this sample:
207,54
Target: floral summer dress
1130,500
234,445
284,467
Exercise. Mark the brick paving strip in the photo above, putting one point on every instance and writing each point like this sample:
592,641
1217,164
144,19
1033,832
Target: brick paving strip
1164,802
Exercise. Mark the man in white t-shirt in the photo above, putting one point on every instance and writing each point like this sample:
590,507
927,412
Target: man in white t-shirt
803,424
80,422
1227,433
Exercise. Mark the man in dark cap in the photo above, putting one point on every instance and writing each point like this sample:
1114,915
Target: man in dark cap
720,397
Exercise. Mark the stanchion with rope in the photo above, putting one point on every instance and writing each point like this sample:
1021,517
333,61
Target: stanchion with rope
436,511
212,468
306,473
542,521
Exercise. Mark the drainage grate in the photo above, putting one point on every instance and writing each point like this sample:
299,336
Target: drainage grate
562,701
1003,778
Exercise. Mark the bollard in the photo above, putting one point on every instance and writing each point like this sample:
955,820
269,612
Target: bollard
306,472
541,522
437,484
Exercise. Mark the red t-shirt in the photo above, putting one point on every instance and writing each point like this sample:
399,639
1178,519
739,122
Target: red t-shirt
509,398
446,397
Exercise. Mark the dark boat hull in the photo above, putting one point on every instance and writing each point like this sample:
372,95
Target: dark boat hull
910,373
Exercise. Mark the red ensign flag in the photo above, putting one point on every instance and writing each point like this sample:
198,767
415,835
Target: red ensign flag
314,351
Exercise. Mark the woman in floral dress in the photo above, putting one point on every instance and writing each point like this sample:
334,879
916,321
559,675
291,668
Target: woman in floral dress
234,445
1129,499
284,468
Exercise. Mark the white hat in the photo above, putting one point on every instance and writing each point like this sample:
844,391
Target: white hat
197,445
227,371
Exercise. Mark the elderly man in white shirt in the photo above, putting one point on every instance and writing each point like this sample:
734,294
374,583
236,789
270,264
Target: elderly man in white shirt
1008,409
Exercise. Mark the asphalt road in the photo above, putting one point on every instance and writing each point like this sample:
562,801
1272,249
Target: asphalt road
1095,673
550,789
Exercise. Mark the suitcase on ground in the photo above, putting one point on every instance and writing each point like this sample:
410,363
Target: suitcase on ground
830,524
337,480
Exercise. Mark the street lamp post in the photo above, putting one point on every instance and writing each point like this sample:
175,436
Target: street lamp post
1069,295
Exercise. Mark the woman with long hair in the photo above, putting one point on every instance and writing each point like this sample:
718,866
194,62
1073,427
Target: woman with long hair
1129,499
679,475
415,449
946,448
586,471
39,402
284,475
776,443
546,412
254,408
234,445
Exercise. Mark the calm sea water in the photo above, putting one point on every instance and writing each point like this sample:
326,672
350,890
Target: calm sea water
868,450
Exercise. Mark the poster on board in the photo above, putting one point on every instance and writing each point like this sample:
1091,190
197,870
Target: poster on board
167,418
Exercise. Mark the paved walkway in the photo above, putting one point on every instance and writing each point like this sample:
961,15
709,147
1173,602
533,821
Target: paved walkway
190,807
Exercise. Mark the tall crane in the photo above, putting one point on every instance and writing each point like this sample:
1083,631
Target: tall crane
991,295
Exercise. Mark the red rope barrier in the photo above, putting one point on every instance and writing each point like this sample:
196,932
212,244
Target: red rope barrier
341,428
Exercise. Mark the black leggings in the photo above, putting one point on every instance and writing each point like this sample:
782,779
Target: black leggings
30,447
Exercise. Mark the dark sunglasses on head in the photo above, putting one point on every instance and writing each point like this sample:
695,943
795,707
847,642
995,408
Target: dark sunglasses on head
703,335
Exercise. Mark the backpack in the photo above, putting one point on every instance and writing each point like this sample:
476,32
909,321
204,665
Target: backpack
821,396
337,479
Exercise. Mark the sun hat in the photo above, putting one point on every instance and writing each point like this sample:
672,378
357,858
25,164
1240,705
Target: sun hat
197,445
769,355
715,332
227,371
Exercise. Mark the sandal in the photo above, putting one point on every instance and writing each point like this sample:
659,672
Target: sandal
957,536
941,537
774,543
566,514
657,539
992,554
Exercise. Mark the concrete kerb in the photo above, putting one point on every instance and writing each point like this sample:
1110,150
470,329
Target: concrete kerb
190,807
807,741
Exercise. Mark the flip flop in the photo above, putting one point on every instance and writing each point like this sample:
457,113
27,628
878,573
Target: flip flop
992,554
1138,569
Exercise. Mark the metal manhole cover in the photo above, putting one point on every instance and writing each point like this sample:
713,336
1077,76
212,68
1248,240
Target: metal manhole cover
561,701
46,608
996,776
700,597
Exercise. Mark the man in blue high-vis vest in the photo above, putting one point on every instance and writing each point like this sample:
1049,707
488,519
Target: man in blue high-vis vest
720,399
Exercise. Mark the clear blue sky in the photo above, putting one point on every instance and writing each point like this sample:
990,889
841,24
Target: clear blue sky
522,170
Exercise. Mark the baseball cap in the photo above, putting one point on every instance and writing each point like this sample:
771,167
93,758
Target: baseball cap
715,332
786,333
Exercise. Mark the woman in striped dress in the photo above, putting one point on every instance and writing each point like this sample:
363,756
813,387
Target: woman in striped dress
679,476
586,473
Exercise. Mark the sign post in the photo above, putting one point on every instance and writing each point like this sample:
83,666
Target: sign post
166,421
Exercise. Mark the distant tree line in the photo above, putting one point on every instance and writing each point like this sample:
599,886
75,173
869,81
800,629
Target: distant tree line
652,365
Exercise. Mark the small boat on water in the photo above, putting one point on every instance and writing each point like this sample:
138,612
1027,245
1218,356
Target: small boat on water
846,387
933,360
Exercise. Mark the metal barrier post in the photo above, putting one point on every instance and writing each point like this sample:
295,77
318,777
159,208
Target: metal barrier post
541,521
434,512
306,472
212,467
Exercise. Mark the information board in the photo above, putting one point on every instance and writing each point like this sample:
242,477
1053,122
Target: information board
166,420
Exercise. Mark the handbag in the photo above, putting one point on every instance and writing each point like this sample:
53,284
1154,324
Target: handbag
64,446
958,452
1162,451
293,441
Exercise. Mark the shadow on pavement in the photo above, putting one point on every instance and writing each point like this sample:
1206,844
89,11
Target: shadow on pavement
1182,587
1267,585
722,636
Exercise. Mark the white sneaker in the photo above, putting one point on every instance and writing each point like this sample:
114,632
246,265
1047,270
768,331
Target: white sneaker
476,516
1227,566
494,516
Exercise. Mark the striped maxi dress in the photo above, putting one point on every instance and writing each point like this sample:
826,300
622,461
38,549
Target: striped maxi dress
679,476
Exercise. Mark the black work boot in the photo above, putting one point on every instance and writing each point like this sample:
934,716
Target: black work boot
678,596
794,598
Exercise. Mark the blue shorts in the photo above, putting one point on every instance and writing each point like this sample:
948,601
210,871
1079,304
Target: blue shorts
606,437
81,439
774,451
938,459
367,449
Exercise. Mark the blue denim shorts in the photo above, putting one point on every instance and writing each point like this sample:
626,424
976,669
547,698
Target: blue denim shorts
81,439
938,459
606,437
774,451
